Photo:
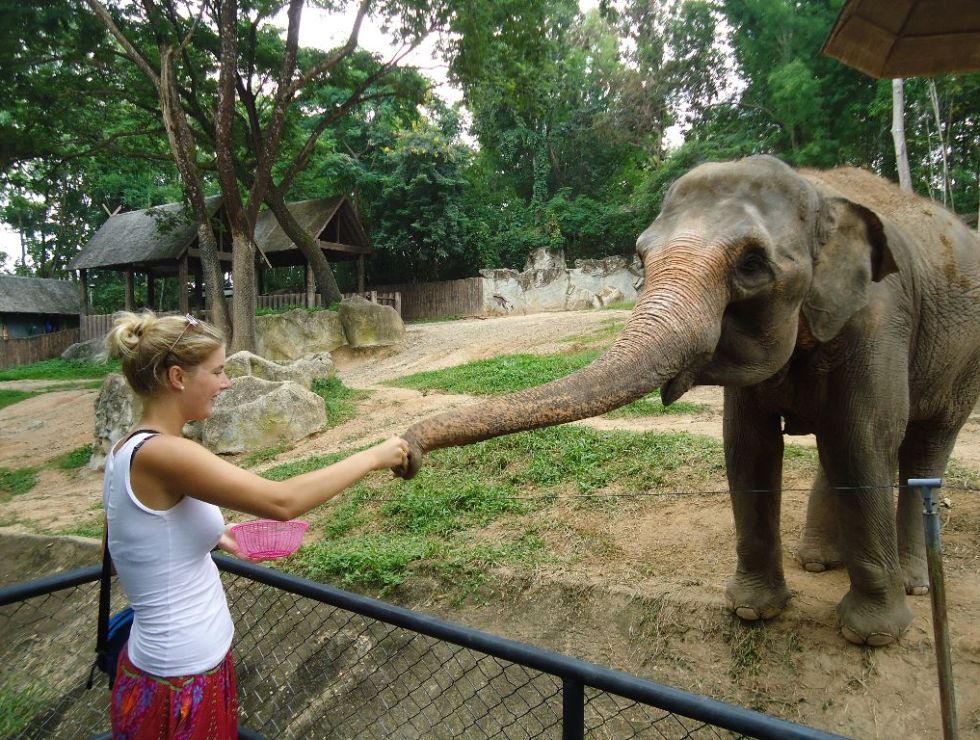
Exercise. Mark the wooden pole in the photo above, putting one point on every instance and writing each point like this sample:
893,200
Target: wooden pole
182,300
310,286
130,291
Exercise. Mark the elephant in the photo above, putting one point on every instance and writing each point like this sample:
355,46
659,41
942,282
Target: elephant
823,302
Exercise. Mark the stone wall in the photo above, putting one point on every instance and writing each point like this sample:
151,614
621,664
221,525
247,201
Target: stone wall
547,284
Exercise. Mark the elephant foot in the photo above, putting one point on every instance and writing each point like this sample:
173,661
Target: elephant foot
817,553
873,621
752,598
916,574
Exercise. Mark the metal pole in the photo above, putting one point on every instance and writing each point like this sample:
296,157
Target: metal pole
572,709
937,593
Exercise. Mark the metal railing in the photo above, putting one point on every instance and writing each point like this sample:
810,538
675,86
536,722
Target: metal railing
317,662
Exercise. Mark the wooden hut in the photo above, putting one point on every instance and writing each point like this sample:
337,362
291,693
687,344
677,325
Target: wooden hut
162,242
33,306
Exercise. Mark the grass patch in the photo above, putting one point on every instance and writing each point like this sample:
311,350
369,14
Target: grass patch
16,481
264,455
503,374
339,400
91,531
9,396
75,459
466,510
58,369
620,306
18,706
651,405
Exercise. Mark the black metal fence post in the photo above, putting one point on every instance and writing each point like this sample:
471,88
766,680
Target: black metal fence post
572,709
937,593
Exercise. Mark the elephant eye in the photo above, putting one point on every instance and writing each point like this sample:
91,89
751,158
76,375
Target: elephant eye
753,264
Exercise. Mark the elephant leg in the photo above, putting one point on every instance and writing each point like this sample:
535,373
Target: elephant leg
923,454
859,468
754,456
819,549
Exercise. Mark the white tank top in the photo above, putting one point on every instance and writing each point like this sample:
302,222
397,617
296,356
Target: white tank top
163,560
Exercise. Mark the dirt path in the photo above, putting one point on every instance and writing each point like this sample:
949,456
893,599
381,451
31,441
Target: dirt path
641,596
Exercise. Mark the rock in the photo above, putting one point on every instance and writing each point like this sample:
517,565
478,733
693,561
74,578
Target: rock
255,414
288,336
306,370
369,324
607,296
116,408
91,350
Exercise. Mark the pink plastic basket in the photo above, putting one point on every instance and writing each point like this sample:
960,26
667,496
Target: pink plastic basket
267,539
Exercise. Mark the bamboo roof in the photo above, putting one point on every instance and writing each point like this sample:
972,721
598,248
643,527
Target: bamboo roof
906,38
38,296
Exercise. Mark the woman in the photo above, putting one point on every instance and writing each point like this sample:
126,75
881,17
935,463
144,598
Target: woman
175,678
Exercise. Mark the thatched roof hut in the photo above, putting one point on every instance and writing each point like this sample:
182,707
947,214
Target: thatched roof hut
162,241
38,296
32,305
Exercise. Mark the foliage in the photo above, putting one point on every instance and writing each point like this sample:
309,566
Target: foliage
18,706
10,396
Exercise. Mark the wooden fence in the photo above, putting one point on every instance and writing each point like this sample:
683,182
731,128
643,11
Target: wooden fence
15,352
439,300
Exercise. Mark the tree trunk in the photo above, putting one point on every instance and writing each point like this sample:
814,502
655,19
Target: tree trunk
322,273
243,300
898,135
934,98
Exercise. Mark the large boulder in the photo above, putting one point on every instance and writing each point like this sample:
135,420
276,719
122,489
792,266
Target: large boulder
369,324
91,350
285,337
116,410
306,370
254,414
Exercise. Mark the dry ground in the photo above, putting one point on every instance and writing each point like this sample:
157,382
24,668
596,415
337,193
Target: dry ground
637,586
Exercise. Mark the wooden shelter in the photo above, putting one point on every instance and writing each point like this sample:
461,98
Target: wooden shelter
162,242
906,38
32,306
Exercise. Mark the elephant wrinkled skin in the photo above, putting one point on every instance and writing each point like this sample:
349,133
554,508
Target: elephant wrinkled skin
826,303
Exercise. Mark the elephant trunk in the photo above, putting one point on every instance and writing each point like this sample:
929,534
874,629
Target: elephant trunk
671,333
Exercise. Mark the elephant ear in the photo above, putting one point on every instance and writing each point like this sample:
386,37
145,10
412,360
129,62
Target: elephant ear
853,252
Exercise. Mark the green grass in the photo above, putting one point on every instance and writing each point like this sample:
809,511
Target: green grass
16,481
58,369
18,706
8,396
339,400
503,374
264,455
374,532
75,459
91,531
509,373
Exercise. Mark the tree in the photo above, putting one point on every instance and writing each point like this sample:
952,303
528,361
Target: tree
898,134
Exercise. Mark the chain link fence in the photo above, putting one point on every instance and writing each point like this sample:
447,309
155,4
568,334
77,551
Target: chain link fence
316,662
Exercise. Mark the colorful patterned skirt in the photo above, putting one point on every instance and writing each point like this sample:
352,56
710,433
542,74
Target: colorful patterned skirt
203,706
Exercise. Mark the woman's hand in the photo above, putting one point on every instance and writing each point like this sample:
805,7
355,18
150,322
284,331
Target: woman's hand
392,453
229,544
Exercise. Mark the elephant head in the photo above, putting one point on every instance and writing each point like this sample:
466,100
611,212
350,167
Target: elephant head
745,260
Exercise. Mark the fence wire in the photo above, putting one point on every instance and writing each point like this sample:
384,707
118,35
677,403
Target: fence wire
307,669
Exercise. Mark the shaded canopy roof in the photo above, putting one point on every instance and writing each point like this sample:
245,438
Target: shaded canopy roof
134,238
905,38
331,221
158,237
38,296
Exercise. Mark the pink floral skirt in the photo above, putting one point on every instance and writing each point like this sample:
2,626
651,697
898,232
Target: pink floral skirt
203,706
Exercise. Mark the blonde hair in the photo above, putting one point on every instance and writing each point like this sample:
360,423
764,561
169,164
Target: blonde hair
149,344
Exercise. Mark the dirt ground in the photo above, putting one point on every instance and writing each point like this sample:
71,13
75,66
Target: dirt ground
646,592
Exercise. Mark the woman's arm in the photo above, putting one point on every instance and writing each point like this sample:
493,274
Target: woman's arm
181,467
